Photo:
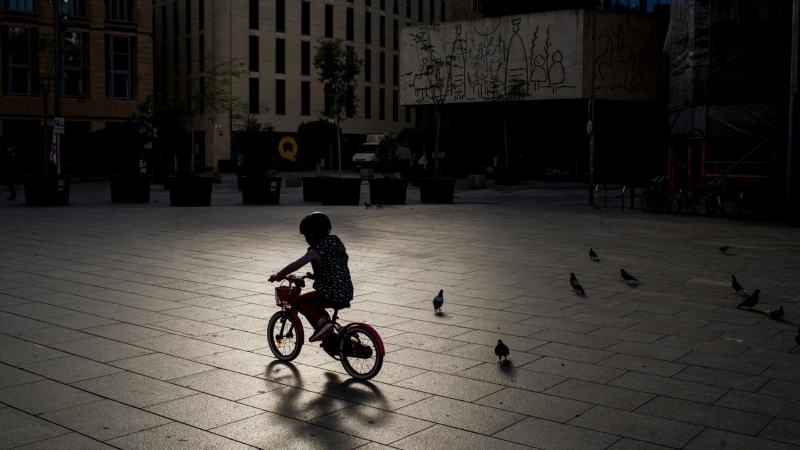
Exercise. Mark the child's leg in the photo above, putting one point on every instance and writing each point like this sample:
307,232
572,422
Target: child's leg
306,305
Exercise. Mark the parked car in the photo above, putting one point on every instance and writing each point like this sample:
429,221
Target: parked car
367,154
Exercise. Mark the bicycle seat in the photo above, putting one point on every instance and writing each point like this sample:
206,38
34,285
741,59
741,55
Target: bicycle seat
339,306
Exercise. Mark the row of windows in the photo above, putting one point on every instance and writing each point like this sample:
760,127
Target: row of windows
305,59
121,10
20,63
201,23
305,101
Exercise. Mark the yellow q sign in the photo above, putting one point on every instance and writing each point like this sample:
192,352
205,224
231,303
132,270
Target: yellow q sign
290,154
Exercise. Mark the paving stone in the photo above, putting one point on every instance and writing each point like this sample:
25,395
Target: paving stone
237,339
548,435
204,411
450,386
711,438
133,389
572,352
105,419
124,332
80,321
782,430
71,441
374,424
705,415
226,384
377,395
70,369
579,339
670,387
714,347
648,351
176,436
20,428
237,361
161,366
51,335
644,365
490,339
268,431
6,340
11,376
180,346
637,426
420,342
535,404
508,375
467,416
722,378
573,369
441,437
485,353
560,324
761,404
599,394
101,349
26,352
432,361
630,444
296,403
739,364
44,396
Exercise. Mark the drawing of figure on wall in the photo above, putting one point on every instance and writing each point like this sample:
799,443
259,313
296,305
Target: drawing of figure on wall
539,74
516,59
459,69
485,60
556,72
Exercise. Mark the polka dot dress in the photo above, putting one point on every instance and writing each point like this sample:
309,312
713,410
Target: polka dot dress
332,276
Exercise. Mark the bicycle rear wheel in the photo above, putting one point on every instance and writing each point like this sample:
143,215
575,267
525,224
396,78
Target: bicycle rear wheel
644,201
360,354
694,205
672,203
282,336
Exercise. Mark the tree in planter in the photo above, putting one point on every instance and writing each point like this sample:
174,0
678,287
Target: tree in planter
517,90
161,121
388,161
314,139
210,91
255,141
435,73
337,67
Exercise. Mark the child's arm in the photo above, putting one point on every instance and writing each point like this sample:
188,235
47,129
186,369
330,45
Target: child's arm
295,266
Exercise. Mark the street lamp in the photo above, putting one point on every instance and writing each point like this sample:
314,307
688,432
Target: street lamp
57,16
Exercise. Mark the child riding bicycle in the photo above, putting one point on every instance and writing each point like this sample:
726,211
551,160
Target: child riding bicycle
332,285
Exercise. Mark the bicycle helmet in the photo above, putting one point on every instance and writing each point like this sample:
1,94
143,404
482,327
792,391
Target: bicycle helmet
316,224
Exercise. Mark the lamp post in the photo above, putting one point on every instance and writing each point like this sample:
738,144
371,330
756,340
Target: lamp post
57,16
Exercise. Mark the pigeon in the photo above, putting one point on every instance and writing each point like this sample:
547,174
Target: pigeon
367,205
737,287
627,277
378,205
775,313
501,351
576,285
724,249
797,337
438,301
592,254
750,301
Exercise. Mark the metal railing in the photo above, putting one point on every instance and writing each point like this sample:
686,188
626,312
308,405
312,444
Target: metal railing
605,195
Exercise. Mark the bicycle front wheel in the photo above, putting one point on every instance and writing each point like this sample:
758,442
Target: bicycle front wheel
360,354
644,201
282,336
694,205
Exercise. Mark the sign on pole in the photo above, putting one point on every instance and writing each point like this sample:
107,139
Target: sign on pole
58,125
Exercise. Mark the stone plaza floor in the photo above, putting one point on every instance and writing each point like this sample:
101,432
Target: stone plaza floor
143,327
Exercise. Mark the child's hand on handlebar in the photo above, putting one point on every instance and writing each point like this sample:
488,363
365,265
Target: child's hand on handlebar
274,277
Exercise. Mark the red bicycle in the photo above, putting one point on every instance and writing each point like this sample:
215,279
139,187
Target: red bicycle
357,345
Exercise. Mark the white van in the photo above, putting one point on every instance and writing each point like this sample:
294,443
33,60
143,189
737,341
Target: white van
367,154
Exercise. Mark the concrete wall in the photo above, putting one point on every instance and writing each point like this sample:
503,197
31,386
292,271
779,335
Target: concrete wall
547,54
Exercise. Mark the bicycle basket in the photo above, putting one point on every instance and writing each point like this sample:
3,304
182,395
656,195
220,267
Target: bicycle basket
284,296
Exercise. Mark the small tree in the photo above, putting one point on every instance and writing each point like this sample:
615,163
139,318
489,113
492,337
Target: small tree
314,139
255,141
160,120
434,73
337,68
387,159
517,90
210,91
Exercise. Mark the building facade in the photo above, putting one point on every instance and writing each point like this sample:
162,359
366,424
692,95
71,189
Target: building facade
106,74
276,41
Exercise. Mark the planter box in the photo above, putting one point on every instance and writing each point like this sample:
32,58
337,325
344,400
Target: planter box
367,174
292,180
312,189
130,188
505,175
388,191
341,191
261,190
190,191
477,181
46,190
437,190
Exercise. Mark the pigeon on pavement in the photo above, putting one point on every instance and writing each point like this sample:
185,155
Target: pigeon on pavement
750,301
367,205
737,287
438,301
501,351
576,285
724,249
379,206
592,254
775,313
627,277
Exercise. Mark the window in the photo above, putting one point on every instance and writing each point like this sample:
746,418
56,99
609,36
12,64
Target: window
367,65
164,64
382,32
201,52
176,61
305,22
327,99
368,2
408,9
383,5
280,55
395,106
329,21
254,96
420,11
119,66
350,110
305,58
382,104
253,53
280,16
253,14
163,22
395,70
122,10
382,68
408,114
188,16
73,61
201,14
18,61
189,93
432,14
367,102
75,8
188,56
396,8
305,98
175,18
368,27
396,35
350,25
444,9
280,97
18,5
203,90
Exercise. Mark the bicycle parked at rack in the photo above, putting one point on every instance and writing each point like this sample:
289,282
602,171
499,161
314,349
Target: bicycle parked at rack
715,203
357,345
688,204
656,198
